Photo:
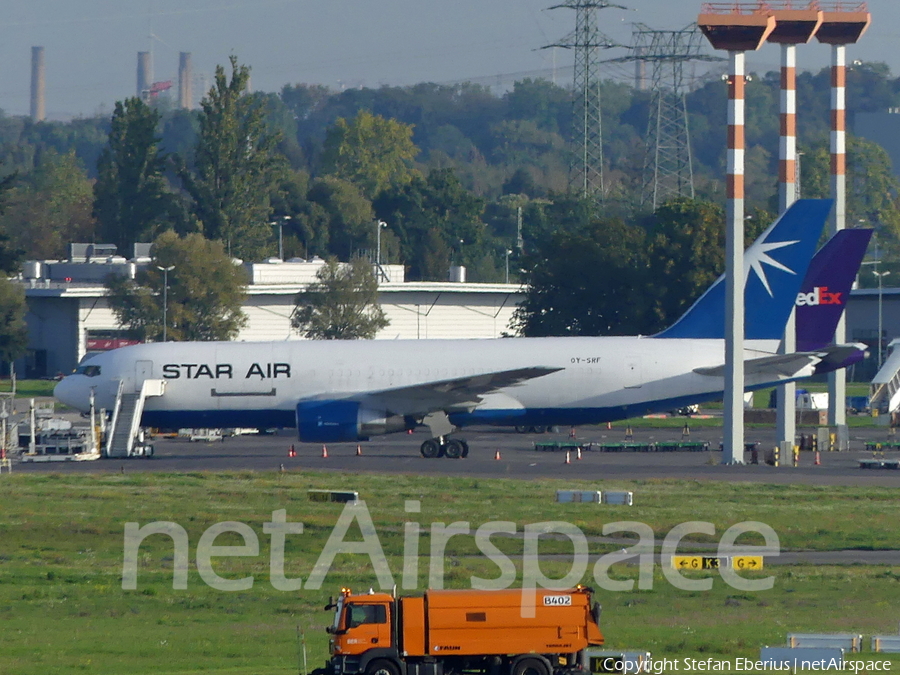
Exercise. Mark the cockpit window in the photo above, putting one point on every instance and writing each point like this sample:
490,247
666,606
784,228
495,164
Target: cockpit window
89,370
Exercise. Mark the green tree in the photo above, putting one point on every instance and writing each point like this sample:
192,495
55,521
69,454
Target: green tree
435,254
10,256
542,102
341,305
521,182
591,281
49,208
432,216
686,254
131,202
236,166
13,329
339,217
204,297
873,195
563,212
370,151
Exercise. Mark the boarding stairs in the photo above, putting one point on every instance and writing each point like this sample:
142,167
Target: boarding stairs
124,428
885,388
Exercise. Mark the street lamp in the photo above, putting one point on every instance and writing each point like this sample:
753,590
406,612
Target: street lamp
165,271
280,223
880,276
379,225
508,252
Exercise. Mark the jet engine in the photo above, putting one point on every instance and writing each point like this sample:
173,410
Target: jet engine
336,421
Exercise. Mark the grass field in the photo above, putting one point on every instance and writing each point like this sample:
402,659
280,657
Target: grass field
64,609
29,388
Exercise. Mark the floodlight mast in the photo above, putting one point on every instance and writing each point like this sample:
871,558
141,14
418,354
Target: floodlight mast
735,27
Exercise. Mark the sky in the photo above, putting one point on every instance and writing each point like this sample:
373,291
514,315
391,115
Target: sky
91,46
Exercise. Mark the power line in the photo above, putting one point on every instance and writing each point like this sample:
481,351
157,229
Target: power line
587,41
668,163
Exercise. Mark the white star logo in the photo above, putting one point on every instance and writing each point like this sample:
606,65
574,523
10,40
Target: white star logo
758,255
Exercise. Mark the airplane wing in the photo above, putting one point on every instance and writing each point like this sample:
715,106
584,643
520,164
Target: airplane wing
461,393
798,364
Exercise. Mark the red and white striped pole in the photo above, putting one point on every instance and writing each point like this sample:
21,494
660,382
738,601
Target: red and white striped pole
839,133
785,423
787,155
733,412
837,380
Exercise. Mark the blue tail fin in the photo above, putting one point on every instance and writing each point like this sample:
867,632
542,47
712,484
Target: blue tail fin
774,267
826,288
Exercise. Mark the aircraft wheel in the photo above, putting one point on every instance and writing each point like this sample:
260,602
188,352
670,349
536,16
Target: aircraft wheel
454,449
465,448
430,449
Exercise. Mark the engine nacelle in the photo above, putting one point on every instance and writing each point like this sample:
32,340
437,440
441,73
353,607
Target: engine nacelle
336,421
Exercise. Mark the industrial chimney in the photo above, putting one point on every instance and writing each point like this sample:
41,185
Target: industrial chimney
185,75
38,111
144,75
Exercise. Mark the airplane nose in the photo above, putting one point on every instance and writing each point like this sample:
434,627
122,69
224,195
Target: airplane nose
68,392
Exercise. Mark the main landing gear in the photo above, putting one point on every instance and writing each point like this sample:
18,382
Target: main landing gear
439,445
453,448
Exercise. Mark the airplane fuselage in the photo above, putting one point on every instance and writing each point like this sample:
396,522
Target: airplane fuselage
247,384
349,390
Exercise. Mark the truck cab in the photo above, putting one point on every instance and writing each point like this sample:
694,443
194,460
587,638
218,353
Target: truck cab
361,622
362,635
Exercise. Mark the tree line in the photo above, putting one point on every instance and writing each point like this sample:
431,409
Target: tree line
459,174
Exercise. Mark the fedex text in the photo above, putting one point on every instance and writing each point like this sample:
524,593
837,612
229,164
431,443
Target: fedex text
820,295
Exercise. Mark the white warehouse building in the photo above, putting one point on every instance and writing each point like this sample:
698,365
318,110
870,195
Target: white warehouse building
68,317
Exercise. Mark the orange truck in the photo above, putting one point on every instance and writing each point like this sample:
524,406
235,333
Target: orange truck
451,632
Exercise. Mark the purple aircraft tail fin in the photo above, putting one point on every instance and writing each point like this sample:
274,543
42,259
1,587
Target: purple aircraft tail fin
826,288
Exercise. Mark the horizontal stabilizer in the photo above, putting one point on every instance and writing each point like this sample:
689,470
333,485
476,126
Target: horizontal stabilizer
792,366
841,356
779,366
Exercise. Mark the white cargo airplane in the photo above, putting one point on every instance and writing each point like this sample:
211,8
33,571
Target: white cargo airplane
350,390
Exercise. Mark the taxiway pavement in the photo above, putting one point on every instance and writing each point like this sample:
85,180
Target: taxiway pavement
399,453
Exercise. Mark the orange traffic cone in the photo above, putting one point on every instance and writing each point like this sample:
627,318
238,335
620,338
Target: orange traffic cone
572,433
818,461
291,451
359,451
568,457
324,451
497,455
578,453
